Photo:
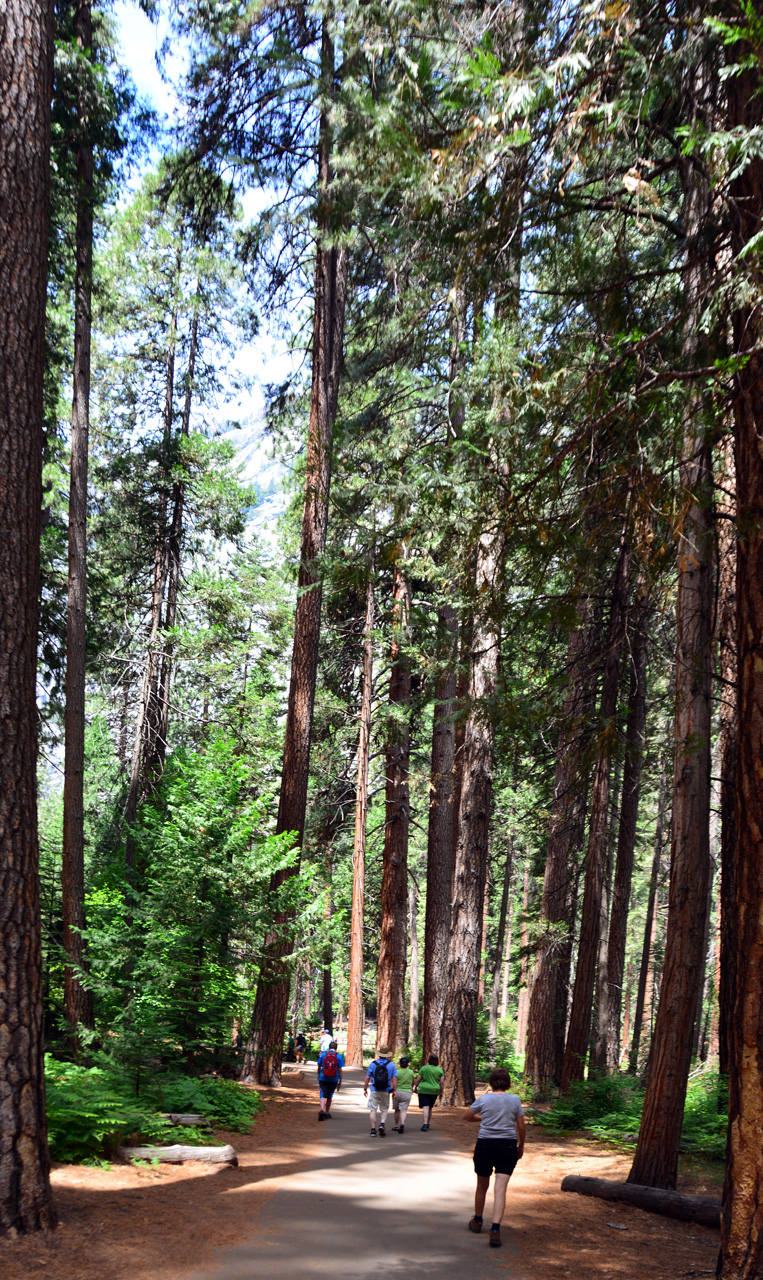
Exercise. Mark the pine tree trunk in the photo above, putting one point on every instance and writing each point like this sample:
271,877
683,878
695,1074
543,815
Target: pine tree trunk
727,647
523,999
646,950
635,731
655,1162
173,570
459,1034
507,963
547,1017
500,944
483,940
356,1012
413,1008
742,1217
26,55
600,1030
582,996
264,1050
391,1020
78,1001
440,843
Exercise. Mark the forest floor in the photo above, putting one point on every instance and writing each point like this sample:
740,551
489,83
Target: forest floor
328,1200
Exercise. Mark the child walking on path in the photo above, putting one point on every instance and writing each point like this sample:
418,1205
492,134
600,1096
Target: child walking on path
403,1094
500,1144
429,1083
330,1064
381,1081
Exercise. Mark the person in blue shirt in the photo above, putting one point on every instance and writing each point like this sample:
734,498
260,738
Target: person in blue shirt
330,1064
381,1082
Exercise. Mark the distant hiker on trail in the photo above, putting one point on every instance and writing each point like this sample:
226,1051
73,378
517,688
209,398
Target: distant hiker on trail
403,1093
290,1055
381,1079
300,1045
330,1064
326,1038
500,1144
429,1083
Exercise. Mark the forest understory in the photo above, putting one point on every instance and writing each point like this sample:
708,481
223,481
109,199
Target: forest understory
125,1223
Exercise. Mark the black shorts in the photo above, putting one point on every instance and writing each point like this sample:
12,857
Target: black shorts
499,1154
428,1099
327,1088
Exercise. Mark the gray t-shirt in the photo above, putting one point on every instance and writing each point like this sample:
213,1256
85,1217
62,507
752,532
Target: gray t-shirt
498,1113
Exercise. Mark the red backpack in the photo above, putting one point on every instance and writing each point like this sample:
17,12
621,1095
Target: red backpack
330,1065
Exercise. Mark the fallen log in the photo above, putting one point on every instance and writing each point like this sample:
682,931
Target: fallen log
672,1204
186,1118
178,1155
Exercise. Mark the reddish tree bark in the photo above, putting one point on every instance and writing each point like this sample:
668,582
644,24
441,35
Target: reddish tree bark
726,626
440,844
26,62
588,946
523,999
655,1162
635,730
547,1017
742,1217
356,1011
459,1034
646,950
265,1047
78,1001
391,1025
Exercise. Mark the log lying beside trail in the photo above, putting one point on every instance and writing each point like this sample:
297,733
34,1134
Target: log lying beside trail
178,1155
187,1118
671,1204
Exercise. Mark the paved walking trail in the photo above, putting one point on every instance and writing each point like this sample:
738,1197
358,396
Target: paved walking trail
369,1208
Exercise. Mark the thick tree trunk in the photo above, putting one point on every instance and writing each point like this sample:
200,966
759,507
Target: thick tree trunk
655,1163
742,1220
265,1047
699,1209
459,1034
390,1017
356,1012
26,56
727,652
78,1001
547,1018
646,951
582,996
635,730
483,939
500,944
413,1006
440,844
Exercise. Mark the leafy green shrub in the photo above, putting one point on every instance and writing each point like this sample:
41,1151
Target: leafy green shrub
223,1102
609,1108
93,1110
88,1116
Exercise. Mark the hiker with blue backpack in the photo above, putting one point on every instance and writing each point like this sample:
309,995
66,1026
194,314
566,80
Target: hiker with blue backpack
380,1085
330,1064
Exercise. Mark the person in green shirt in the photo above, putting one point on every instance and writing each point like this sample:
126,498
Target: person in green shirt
403,1094
429,1083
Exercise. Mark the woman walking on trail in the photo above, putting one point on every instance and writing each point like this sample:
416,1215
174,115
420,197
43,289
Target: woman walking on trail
403,1094
500,1144
429,1083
